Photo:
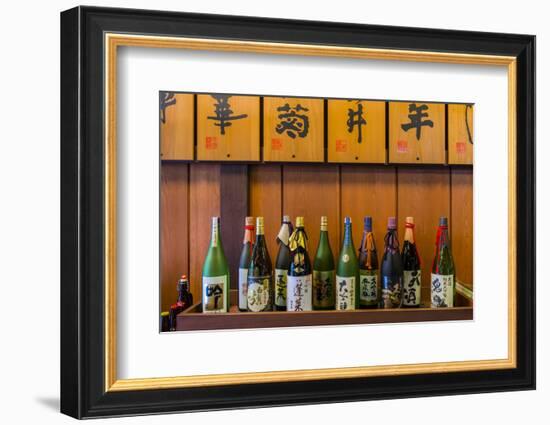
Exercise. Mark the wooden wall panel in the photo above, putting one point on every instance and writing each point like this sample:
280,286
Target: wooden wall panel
313,191
460,133
236,139
174,232
265,200
204,203
366,142
368,190
462,223
424,194
404,145
177,126
233,210
295,134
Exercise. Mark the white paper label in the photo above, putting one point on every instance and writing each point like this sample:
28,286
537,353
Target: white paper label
243,276
442,293
411,284
345,293
369,286
213,294
298,294
280,287
257,295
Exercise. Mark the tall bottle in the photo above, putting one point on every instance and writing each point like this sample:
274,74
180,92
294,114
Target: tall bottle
347,272
299,280
412,274
244,262
260,274
391,271
185,300
215,275
368,268
443,269
281,264
324,273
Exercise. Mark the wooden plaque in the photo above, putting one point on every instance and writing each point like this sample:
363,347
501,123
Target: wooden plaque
293,129
177,126
356,131
460,133
417,133
228,128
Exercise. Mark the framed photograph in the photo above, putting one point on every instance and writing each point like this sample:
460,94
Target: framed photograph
261,212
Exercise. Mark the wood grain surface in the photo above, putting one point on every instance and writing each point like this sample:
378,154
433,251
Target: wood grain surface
366,142
283,144
404,146
232,139
460,124
177,126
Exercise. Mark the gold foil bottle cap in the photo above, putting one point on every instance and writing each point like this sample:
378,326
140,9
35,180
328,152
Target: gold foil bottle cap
259,225
324,222
299,221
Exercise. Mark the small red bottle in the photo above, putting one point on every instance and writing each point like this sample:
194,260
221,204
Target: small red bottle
185,300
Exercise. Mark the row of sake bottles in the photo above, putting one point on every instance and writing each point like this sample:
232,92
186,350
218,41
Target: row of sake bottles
354,282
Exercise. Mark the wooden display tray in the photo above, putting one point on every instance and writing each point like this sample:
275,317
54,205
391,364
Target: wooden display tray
193,319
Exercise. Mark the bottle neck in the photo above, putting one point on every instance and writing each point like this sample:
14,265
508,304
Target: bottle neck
248,234
442,238
298,239
215,240
323,235
284,233
260,239
391,242
348,238
409,232
181,294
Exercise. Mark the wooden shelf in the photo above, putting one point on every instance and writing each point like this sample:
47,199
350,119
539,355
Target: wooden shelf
193,319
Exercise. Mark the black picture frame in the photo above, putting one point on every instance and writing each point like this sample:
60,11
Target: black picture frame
83,392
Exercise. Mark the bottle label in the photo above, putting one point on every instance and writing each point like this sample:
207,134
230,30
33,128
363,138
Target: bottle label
298,295
391,292
213,294
442,293
283,234
411,282
369,287
323,288
345,293
243,285
214,238
258,293
280,287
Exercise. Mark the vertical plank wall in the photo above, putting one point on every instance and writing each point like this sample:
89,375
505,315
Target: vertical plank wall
192,193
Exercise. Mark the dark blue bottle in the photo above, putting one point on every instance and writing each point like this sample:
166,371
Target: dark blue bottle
391,270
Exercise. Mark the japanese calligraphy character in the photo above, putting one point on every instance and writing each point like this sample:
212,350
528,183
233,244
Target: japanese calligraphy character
223,113
292,122
416,115
355,118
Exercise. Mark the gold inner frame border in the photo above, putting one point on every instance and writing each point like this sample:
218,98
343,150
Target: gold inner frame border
113,40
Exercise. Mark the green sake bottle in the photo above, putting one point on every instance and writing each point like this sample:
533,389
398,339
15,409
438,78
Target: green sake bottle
443,285
215,275
347,273
324,273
